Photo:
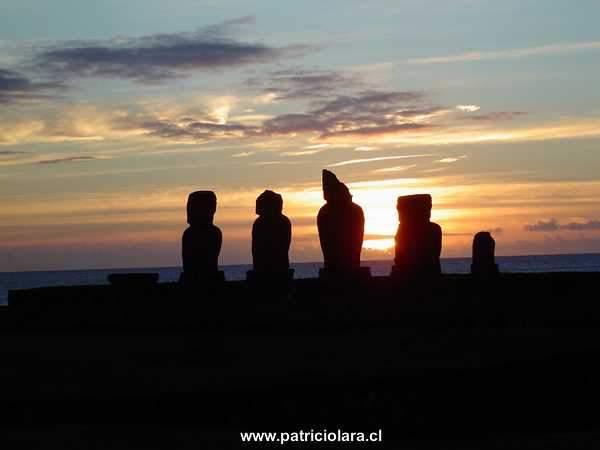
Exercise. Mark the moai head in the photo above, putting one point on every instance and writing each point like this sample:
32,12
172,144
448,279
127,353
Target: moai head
269,203
334,191
484,246
414,208
201,208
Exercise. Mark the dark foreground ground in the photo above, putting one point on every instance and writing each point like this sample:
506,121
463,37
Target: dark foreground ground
456,363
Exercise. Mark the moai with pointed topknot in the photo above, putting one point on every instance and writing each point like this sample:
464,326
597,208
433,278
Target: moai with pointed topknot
271,237
418,240
484,262
341,225
201,241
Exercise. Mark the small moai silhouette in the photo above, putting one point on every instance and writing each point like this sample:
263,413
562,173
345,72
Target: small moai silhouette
341,226
271,235
418,240
201,241
484,261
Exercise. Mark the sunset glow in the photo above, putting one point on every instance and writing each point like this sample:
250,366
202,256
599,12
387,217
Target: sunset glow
379,244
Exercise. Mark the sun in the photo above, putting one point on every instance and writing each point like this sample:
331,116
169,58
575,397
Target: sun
378,244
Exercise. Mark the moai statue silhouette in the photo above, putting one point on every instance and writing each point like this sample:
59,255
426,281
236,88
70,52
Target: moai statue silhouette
201,241
418,240
271,236
484,262
341,226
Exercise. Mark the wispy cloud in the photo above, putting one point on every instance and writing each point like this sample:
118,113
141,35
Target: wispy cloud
301,84
11,152
195,129
395,169
69,159
68,122
447,160
302,152
242,154
468,108
566,129
508,53
380,158
495,116
274,163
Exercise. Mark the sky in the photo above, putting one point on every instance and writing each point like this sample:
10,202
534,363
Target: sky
111,112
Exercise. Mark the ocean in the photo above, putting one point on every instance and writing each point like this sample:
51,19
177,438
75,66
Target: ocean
547,263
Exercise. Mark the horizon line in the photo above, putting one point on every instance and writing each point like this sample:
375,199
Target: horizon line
291,263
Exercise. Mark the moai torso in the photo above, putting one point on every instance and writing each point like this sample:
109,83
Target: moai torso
341,226
201,241
418,240
341,229
201,246
271,235
484,261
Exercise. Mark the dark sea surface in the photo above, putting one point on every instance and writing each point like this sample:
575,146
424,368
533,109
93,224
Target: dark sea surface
550,263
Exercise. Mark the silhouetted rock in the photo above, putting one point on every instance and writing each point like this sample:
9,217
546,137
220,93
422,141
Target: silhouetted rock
341,226
418,240
484,263
201,241
271,237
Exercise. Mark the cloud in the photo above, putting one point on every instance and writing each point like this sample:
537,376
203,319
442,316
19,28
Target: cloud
69,159
509,53
242,154
11,152
302,152
158,57
540,225
395,168
15,87
61,122
368,113
495,116
300,84
370,102
564,129
468,108
290,124
554,225
273,163
194,129
589,225
377,236
377,130
367,160
451,234
176,123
